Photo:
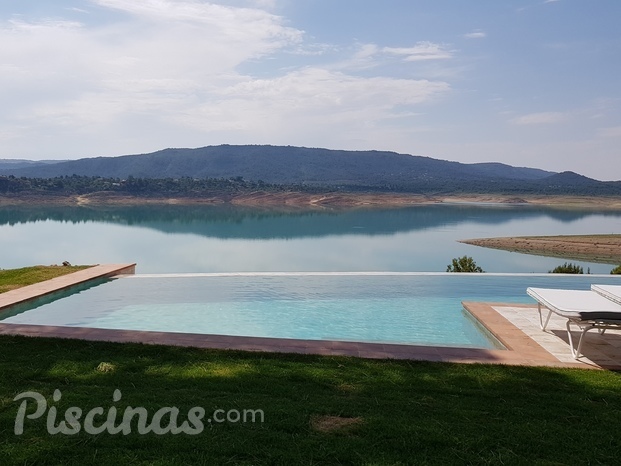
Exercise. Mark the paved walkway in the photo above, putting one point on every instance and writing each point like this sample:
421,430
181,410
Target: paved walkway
517,327
598,350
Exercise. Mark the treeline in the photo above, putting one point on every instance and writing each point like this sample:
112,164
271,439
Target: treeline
184,186
202,187
515,188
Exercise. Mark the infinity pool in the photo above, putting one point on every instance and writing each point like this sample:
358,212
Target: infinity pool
404,308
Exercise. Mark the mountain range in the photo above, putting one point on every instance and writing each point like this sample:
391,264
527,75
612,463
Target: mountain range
378,170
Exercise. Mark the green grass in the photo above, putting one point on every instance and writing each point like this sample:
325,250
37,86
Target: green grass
412,412
16,278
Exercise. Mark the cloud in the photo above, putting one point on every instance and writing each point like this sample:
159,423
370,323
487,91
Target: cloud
217,21
610,132
308,100
543,118
371,55
366,56
77,10
316,87
159,73
421,51
476,34
263,3
166,50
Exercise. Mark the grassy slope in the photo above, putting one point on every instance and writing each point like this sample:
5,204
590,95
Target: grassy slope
16,278
411,412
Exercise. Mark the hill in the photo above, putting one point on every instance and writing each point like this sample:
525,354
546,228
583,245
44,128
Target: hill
500,170
11,164
333,169
278,164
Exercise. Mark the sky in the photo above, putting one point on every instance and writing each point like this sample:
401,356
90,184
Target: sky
532,83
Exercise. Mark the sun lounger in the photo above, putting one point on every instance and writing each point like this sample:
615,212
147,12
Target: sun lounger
586,309
611,292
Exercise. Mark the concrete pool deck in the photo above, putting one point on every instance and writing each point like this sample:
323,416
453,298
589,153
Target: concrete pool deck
515,325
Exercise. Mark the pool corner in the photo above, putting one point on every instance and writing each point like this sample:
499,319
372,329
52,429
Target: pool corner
37,290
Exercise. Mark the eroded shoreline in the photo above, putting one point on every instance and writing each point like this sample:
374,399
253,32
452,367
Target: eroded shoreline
605,249
327,200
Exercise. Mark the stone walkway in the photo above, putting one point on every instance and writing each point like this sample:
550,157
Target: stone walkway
598,350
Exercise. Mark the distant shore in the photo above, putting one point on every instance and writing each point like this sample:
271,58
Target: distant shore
605,249
328,200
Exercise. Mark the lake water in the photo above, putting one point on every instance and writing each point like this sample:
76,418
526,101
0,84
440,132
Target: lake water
176,239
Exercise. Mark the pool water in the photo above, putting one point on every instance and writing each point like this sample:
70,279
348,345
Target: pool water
404,308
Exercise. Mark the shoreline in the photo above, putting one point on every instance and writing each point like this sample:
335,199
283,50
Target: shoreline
603,249
327,200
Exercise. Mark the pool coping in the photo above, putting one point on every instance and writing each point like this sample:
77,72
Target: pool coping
37,290
520,348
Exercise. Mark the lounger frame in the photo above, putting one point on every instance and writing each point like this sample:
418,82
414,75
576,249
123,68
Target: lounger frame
584,325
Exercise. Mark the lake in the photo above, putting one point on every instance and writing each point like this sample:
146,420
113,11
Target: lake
176,239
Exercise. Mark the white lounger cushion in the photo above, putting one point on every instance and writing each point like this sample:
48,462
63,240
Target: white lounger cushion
611,292
577,305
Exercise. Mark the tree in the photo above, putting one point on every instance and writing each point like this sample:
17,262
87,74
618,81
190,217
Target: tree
464,264
567,267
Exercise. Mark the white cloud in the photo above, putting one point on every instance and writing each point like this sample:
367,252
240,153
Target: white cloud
542,118
371,55
308,100
77,10
366,51
217,22
476,34
421,51
61,68
263,3
166,73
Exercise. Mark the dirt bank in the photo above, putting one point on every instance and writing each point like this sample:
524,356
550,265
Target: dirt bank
253,199
604,249
328,200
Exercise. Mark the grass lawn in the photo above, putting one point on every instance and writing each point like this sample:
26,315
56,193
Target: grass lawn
316,410
399,412
16,278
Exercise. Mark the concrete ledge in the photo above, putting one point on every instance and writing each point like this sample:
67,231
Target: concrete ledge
524,351
37,290
272,345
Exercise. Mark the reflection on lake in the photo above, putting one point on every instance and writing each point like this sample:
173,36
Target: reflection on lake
215,239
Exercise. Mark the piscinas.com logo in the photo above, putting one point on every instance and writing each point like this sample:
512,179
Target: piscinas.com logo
166,420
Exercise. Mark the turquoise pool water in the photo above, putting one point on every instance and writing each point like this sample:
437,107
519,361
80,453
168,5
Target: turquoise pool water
406,308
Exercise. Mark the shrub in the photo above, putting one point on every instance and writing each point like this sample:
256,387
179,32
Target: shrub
464,264
567,267
616,270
